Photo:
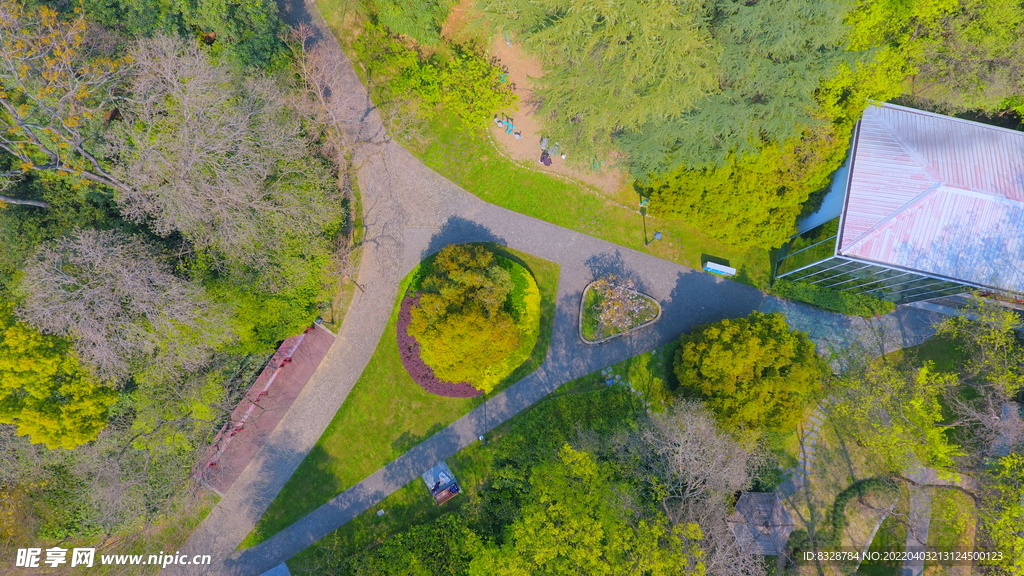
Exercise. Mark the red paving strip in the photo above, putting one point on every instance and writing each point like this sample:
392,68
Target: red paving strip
263,406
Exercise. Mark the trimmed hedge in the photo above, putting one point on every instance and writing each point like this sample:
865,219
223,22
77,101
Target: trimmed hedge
829,299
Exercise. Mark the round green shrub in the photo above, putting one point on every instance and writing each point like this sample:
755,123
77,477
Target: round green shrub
478,316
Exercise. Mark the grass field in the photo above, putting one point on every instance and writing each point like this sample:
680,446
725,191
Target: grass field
469,159
386,414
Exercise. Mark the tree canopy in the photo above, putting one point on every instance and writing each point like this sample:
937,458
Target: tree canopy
114,296
44,391
612,67
53,93
573,523
898,415
474,313
754,373
222,160
246,31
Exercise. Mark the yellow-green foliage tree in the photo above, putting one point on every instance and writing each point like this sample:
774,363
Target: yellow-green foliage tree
752,200
478,316
43,389
1002,516
575,522
755,373
898,416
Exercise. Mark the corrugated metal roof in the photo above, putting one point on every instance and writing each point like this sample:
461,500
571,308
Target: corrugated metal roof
937,194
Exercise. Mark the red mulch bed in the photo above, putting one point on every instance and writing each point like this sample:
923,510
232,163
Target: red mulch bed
422,374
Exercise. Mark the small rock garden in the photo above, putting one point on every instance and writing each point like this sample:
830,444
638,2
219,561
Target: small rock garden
613,306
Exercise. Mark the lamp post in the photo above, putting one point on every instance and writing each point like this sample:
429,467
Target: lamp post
643,215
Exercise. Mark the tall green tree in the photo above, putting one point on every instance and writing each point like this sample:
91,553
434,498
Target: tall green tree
754,200
248,31
1002,515
755,373
972,57
573,522
613,66
898,415
418,19
774,54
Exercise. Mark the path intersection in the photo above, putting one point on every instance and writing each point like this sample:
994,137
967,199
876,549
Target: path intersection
410,212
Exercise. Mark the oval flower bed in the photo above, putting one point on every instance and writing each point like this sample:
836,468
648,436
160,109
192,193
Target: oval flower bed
469,319
611,307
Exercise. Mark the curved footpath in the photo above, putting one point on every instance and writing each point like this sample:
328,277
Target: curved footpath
409,212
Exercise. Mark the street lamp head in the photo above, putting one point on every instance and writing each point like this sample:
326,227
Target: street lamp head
657,235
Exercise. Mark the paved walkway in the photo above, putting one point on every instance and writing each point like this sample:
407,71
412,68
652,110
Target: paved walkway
410,211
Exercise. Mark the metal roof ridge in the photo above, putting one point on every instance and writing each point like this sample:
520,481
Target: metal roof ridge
982,194
1019,133
878,225
911,151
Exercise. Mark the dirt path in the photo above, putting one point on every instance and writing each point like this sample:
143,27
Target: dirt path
522,69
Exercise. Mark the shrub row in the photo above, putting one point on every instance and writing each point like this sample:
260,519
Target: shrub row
843,302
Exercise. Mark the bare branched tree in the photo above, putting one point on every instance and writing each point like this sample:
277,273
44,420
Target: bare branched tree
221,159
120,303
696,469
53,95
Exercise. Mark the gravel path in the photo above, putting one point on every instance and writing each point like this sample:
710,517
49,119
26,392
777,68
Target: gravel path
410,211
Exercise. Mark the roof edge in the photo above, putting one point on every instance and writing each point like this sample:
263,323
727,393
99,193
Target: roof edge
1019,133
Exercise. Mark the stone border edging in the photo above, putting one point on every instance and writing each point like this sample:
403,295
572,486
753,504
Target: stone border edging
583,301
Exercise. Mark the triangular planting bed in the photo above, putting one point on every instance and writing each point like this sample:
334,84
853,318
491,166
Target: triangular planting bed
645,311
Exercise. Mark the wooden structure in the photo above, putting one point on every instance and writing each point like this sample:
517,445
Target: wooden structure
760,523
441,483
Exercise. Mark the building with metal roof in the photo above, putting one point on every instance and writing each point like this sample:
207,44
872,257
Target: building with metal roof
931,206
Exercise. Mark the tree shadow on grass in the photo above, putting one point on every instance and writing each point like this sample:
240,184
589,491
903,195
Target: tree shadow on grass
407,441
293,502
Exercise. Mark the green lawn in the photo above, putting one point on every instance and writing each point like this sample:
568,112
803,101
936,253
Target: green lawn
412,504
470,160
386,414
409,506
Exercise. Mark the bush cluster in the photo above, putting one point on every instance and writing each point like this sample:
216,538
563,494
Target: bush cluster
466,84
478,316
829,299
409,349
755,373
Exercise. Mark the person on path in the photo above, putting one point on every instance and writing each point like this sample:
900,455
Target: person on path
544,143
